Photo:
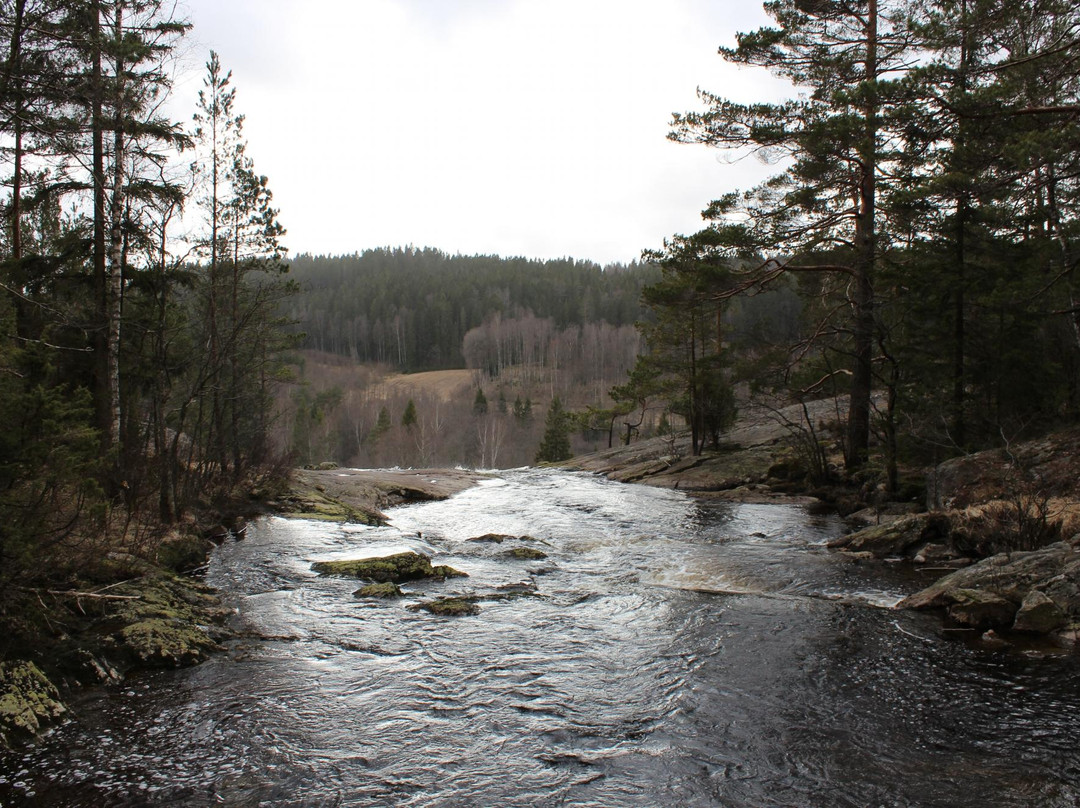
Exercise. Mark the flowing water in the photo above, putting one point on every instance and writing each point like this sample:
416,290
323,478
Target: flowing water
669,652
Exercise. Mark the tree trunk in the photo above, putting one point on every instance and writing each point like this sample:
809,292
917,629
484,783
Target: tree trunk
858,443
103,396
114,295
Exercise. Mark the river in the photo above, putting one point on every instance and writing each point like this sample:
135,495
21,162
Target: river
669,652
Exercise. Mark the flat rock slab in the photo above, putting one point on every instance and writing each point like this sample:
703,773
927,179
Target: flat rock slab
359,495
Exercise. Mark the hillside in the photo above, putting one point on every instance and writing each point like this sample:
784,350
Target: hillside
412,309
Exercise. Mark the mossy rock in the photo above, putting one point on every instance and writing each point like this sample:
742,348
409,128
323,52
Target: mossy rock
449,607
392,568
491,538
184,554
170,621
525,554
28,701
384,590
165,643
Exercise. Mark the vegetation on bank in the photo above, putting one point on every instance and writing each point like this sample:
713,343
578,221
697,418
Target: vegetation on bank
141,274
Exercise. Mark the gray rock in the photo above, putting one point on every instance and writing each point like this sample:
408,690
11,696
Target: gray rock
1039,614
895,538
1053,569
980,609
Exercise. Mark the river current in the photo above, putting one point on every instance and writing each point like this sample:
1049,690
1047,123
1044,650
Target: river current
669,652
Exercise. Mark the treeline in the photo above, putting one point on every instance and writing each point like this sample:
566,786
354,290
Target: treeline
411,308
926,210
137,356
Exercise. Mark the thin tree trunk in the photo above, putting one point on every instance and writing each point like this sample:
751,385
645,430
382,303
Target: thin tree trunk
116,243
103,397
866,241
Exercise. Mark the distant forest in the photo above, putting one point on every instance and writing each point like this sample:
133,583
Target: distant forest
412,308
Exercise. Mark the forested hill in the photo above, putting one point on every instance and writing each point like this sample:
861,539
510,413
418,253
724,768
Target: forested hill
411,308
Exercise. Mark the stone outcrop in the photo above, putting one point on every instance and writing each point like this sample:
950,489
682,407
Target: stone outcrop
1033,591
359,495
898,537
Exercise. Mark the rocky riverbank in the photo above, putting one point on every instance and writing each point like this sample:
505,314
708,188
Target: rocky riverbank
125,614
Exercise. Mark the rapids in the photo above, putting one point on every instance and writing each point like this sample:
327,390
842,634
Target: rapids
675,652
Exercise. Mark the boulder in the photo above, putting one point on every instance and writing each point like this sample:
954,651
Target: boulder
384,590
897,537
1039,614
1011,576
980,609
395,568
1050,464
491,538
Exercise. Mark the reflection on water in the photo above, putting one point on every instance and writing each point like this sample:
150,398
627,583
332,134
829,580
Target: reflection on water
676,652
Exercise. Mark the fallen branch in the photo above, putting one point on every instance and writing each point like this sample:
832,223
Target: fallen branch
75,593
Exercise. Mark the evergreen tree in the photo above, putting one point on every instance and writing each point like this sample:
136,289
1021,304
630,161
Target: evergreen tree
820,215
408,418
480,403
382,424
555,446
685,337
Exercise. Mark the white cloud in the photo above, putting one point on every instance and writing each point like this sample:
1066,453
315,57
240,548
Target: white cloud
532,127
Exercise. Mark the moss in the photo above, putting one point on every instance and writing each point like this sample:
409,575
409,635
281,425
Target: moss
450,607
525,554
184,554
165,643
170,622
386,589
318,506
28,701
392,568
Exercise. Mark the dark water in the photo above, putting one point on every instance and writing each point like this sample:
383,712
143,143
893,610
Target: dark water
677,653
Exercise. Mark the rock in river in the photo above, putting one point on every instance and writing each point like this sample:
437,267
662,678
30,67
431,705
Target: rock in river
384,591
395,568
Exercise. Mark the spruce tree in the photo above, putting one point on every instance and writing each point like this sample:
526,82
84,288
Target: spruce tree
555,446
408,418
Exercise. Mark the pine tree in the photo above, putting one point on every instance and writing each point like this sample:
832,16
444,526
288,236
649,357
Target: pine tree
821,215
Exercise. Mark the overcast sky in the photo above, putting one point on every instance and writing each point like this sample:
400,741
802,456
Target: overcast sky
509,127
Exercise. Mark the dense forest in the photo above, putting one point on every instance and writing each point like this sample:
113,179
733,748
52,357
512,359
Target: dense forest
412,308
141,273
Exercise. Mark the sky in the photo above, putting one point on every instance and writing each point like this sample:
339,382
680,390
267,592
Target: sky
529,128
